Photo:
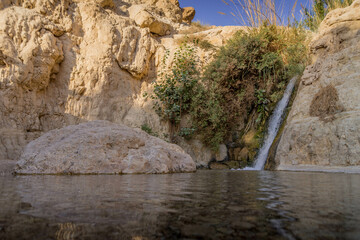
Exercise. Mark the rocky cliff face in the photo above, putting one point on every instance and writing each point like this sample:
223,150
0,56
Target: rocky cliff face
324,123
64,62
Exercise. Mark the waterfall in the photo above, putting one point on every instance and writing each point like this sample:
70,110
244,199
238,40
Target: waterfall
274,125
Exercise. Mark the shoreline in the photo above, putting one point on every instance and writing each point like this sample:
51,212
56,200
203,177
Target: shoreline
316,168
7,167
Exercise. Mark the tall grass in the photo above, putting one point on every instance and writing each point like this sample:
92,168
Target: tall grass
254,13
320,8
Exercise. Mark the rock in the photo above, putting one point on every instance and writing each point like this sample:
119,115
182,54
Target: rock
67,62
201,154
218,166
233,164
101,147
146,20
188,14
29,58
323,125
243,155
222,154
6,167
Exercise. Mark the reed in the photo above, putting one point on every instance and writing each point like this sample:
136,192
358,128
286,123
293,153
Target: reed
254,13
319,9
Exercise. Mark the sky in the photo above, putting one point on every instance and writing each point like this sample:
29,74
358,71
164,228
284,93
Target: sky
207,10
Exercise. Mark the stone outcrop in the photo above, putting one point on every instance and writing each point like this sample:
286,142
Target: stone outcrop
102,147
64,62
324,123
188,14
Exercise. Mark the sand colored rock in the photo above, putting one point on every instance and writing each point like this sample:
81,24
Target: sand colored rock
145,19
326,134
73,61
188,14
101,147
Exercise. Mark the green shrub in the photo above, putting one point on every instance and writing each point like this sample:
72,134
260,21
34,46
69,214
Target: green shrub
174,92
247,76
238,89
198,40
146,128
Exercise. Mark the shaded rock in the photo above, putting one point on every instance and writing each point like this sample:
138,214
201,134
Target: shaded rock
233,164
222,154
201,154
101,147
218,166
188,14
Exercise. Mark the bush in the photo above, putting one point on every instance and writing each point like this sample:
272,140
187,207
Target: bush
146,128
247,76
174,92
238,89
198,40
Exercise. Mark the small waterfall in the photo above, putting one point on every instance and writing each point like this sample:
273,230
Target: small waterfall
274,125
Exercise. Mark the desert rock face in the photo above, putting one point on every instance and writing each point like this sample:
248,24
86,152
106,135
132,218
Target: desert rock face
324,123
64,62
102,147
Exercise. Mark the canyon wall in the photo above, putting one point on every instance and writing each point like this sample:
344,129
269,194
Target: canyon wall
64,62
323,126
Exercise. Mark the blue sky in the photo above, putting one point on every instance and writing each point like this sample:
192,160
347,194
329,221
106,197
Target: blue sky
207,10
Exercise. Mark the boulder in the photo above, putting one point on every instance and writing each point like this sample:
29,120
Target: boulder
101,147
188,14
145,19
222,153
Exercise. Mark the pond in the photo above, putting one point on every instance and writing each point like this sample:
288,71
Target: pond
202,205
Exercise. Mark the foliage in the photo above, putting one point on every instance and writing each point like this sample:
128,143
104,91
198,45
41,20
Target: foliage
173,93
146,128
320,9
261,104
198,40
238,89
247,76
186,133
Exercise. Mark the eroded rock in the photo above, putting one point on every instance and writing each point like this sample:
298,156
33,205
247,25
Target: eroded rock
188,14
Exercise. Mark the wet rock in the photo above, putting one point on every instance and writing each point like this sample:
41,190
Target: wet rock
218,166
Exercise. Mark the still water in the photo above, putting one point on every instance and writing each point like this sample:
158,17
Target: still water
202,205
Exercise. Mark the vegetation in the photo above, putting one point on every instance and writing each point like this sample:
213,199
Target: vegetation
246,79
254,13
174,92
320,9
146,128
239,88
195,27
198,40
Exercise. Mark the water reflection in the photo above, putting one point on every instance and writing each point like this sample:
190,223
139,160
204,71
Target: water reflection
204,205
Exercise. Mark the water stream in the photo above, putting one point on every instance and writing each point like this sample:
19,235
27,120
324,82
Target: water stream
274,125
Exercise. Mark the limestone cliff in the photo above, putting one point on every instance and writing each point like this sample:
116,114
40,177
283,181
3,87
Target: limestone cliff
64,62
324,123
